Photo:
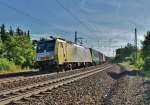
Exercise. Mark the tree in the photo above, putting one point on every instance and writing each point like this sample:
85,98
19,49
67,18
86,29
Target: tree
1,50
146,45
122,53
16,47
146,51
3,33
20,50
28,34
11,31
19,31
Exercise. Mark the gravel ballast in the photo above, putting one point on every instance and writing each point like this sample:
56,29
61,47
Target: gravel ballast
147,91
110,87
24,81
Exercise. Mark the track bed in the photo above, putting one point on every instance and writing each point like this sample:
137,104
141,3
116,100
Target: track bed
43,83
112,86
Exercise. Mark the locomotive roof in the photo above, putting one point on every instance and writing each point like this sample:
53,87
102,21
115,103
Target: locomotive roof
63,40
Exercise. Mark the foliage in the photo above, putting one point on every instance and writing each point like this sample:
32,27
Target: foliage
6,65
143,56
147,64
138,62
16,47
3,33
20,50
146,45
128,54
11,31
135,63
1,50
146,51
122,53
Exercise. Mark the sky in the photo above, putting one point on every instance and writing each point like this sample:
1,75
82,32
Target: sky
103,24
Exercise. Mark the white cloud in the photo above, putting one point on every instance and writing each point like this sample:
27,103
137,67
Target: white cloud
116,22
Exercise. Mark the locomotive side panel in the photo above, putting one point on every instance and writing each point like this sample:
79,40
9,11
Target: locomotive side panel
81,54
71,53
68,53
61,52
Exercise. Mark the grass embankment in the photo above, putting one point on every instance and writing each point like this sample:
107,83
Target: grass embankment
138,64
129,66
9,67
132,67
134,64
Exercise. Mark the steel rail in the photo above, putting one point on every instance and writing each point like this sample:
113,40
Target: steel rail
44,86
8,91
19,78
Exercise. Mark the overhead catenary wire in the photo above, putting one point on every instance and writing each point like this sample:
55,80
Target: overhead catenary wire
75,17
39,21
35,19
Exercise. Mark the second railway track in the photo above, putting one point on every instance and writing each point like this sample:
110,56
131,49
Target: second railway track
8,96
21,77
24,81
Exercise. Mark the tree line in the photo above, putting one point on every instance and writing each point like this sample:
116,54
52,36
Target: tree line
140,59
16,47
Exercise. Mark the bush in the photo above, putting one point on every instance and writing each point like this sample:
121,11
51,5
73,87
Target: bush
20,51
1,50
6,65
147,64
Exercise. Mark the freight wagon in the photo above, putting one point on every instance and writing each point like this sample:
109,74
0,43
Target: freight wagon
97,57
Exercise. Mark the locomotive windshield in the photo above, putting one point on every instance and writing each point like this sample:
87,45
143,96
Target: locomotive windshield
45,46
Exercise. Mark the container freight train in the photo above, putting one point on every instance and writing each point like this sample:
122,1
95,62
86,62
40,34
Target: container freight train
61,54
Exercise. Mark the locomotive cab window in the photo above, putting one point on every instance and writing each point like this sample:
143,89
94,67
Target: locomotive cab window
46,46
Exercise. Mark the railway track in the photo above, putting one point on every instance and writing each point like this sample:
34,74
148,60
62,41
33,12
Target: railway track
17,74
12,95
6,78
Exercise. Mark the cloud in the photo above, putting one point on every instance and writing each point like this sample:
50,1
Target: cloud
90,6
107,21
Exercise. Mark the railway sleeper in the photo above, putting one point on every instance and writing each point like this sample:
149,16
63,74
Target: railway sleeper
55,85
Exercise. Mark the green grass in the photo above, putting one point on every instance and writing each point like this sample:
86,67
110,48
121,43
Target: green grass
9,67
6,65
129,66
